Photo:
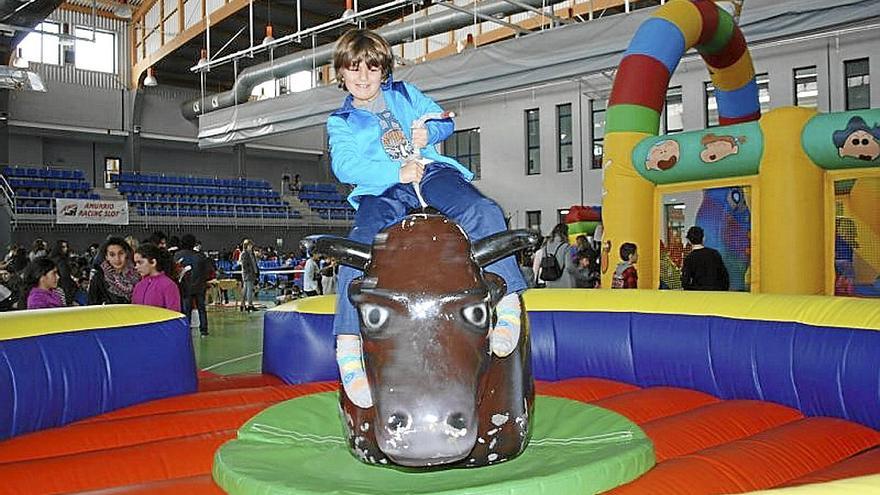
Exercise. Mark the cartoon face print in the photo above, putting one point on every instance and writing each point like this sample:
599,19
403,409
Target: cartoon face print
858,140
663,155
861,145
717,148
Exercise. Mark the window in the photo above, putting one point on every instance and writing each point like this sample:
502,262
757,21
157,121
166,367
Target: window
763,82
674,110
533,142
711,105
98,55
533,220
40,47
598,119
464,146
564,155
858,84
806,87
111,169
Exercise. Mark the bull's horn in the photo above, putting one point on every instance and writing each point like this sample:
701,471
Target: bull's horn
346,251
496,246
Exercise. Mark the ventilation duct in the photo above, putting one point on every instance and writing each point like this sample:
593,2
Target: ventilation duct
431,25
18,79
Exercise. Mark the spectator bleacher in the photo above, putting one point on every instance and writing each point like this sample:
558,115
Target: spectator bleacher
185,196
325,200
35,188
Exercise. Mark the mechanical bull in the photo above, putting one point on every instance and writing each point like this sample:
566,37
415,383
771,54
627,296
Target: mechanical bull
426,311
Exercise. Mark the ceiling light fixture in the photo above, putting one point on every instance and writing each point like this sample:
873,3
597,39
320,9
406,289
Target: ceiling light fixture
151,81
203,58
122,11
269,38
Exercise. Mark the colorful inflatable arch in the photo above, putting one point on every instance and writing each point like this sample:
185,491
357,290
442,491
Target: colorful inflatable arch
785,163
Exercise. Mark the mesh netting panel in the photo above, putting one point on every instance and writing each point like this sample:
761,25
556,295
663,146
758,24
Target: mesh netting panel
857,237
725,217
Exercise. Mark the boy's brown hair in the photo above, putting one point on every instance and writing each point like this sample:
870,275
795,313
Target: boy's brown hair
362,45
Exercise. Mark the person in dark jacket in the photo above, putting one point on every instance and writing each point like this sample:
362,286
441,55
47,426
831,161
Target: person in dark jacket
703,269
250,275
196,270
112,281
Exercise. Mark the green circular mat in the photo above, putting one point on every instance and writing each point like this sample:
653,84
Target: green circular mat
297,447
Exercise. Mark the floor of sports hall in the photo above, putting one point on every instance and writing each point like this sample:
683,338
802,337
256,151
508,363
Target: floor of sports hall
235,343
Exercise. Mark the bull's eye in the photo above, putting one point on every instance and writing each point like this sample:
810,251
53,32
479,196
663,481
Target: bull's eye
374,316
476,314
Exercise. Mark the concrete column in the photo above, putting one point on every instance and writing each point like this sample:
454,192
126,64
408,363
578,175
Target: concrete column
4,126
240,153
132,160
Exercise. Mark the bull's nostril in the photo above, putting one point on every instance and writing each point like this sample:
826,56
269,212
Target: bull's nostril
398,420
457,421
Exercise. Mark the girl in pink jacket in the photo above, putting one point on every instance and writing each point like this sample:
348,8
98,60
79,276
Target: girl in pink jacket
156,288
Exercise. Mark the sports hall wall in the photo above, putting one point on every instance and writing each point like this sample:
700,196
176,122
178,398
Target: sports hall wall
503,166
45,131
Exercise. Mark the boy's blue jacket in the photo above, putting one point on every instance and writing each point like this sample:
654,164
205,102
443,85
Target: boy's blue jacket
356,153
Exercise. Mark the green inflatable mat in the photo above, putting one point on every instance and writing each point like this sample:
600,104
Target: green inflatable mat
297,447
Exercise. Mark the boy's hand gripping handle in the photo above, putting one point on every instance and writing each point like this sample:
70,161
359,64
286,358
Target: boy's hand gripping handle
417,154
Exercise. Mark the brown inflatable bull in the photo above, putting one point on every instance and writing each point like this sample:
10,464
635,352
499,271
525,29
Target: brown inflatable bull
426,309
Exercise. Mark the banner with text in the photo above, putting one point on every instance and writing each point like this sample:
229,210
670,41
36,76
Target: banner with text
91,211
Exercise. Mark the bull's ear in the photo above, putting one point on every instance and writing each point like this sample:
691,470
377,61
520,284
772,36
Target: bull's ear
497,287
346,251
496,246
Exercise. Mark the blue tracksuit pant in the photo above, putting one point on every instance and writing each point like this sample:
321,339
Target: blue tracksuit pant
444,188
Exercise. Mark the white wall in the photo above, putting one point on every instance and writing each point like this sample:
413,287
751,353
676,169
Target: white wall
501,120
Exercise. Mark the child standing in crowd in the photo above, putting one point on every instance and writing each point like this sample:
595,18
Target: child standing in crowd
156,287
626,276
113,281
373,145
41,284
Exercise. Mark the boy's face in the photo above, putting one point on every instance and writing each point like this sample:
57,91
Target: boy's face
362,82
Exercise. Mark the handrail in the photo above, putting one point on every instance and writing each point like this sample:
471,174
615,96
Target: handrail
8,193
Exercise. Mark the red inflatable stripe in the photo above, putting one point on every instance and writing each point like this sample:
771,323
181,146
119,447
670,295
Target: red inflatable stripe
713,425
709,14
734,50
860,465
759,462
722,120
646,81
209,382
194,485
155,461
90,437
583,389
219,398
653,403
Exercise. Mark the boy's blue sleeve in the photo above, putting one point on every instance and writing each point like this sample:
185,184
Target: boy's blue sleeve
438,130
349,165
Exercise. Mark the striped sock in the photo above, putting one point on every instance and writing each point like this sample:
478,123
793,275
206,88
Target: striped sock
505,336
349,358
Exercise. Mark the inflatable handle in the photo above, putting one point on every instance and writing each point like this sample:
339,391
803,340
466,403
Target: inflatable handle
639,91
